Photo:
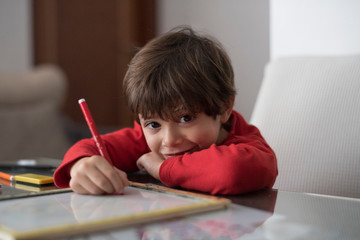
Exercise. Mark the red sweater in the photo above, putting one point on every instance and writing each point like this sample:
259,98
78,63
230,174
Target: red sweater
244,162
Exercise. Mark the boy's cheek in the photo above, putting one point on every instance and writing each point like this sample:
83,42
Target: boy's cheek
152,144
206,138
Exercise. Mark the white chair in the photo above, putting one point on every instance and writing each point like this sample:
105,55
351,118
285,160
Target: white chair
30,103
308,109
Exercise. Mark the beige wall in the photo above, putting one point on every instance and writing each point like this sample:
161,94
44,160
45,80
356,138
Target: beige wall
252,31
243,28
15,35
241,25
314,27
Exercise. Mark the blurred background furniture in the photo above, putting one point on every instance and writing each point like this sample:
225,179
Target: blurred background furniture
308,109
30,114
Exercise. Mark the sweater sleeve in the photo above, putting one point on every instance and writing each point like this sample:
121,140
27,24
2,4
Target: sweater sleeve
125,146
243,163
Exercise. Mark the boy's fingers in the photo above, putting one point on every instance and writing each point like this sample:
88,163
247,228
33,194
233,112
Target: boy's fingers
77,187
114,179
104,183
94,176
85,187
119,180
123,177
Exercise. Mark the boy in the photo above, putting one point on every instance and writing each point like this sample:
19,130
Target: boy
181,88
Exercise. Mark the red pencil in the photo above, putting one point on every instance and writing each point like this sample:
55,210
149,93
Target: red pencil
95,133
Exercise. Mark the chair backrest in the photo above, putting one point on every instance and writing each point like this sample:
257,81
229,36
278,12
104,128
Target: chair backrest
308,109
30,103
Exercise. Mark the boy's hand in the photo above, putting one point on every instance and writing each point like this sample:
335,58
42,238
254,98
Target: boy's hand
150,162
94,175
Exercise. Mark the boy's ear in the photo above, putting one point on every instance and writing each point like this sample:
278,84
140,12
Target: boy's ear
228,107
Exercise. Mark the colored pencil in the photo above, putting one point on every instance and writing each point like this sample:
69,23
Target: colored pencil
28,178
6,176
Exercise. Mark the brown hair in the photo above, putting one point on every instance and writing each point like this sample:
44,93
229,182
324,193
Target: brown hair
179,70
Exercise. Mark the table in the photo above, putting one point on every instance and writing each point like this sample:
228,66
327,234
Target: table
265,214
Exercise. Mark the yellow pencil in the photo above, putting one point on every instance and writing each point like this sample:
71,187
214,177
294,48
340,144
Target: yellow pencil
28,178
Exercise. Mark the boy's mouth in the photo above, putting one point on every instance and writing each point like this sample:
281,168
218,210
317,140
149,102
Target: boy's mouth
169,155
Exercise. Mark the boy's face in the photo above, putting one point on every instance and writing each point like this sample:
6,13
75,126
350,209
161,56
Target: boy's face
189,133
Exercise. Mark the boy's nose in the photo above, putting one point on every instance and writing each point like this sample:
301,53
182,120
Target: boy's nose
171,137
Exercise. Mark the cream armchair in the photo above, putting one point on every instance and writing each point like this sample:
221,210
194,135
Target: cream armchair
308,109
30,125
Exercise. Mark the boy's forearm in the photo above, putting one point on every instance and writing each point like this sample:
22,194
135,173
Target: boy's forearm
220,173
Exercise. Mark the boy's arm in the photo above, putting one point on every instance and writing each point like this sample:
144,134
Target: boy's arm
124,146
244,163
230,169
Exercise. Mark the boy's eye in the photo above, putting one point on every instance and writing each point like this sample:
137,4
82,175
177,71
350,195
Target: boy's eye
152,125
186,118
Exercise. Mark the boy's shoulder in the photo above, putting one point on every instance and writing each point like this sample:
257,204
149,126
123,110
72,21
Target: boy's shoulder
240,128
